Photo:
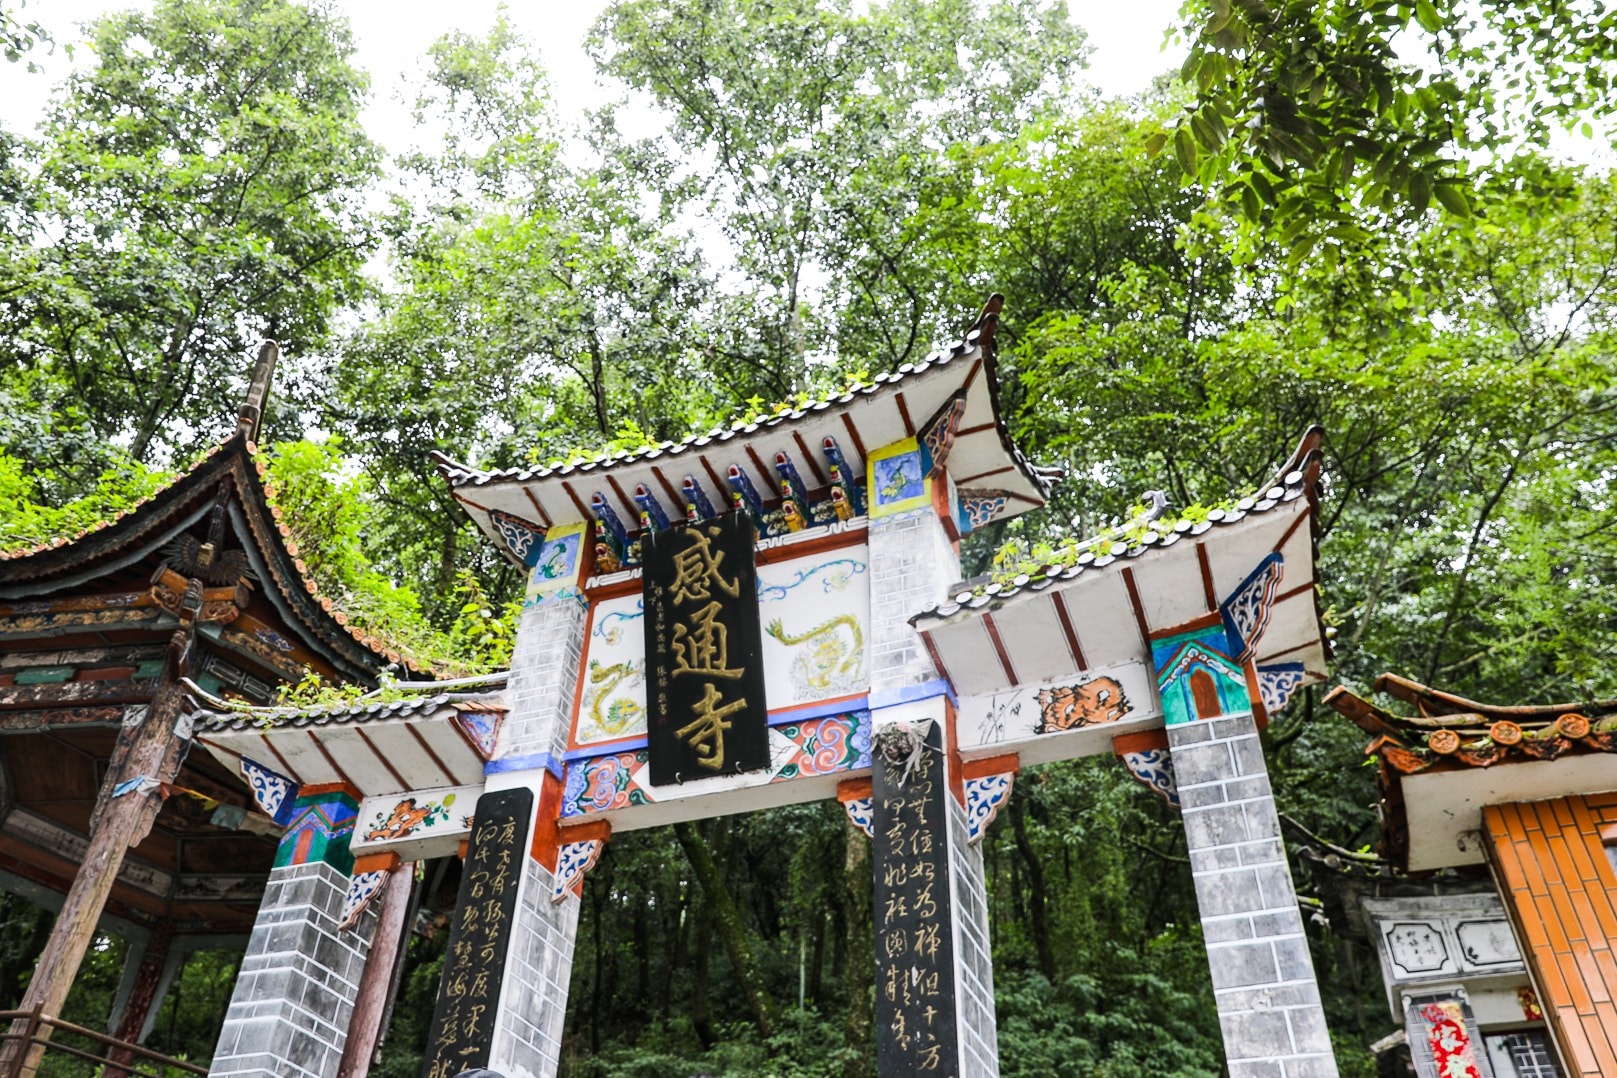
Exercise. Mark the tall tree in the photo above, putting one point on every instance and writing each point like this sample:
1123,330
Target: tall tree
198,186
827,129
1310,115
539,307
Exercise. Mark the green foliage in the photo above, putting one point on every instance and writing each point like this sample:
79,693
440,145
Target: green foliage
186,1026
31,513
195,187
328,508
18,37
1019,557
828,156
1315,123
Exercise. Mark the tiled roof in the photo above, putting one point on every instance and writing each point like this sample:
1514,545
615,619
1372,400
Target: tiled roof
235,459
1451,731
103,525
427,738
1298,479
981,335
355,712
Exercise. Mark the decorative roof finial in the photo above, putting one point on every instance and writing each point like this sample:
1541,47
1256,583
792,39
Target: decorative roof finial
251,418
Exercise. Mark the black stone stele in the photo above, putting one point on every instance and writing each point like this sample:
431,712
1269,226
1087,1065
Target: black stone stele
469,994
704,651
916,1028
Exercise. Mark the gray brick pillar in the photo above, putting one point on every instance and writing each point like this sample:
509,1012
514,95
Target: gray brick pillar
289,1014
518,1031
533,1010
929,875
913,563
974,968
1263,977
539,695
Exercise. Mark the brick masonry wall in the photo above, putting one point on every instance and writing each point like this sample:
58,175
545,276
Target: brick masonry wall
974,970
1263,977
1561,892
539,965
289,1014
912,565
544,673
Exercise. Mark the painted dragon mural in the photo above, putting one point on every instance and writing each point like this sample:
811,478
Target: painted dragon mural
833,663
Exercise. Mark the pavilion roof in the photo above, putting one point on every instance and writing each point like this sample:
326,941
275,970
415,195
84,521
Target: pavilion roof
893,407
103,557
1140,581
383,742
1454,755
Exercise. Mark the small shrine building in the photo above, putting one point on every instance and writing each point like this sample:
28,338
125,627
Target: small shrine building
770,614
1495,918
108,813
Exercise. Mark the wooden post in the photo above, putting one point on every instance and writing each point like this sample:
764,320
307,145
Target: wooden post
376,983
149,749
23,1030
148,977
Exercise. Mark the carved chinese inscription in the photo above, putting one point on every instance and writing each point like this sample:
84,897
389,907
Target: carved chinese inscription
704,651
474,966
915,990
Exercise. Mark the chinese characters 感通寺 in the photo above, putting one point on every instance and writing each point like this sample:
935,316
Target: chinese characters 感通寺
703,650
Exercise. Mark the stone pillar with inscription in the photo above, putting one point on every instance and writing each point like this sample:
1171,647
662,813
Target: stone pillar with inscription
1263,977
934,984
290,1010
503,998
934,975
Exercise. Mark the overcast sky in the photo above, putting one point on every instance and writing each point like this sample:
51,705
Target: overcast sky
393,34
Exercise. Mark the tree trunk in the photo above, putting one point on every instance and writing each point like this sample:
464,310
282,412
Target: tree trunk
728,922
817,950
1036,894
676,930
701,1012
365,1026
859,890
642,952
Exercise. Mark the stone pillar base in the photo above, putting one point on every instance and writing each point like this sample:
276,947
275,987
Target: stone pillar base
289,1015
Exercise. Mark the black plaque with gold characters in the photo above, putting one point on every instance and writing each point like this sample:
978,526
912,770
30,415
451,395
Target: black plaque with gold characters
704,651
474,966
915,991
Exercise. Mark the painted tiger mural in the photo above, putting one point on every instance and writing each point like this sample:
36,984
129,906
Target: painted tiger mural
1099,700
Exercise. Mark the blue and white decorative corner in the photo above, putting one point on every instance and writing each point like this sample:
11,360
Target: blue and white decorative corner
1246,612
984,796
481,730
978,507
273,792
1154,770
1277,682
362,888
861,810
572,861
521,537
